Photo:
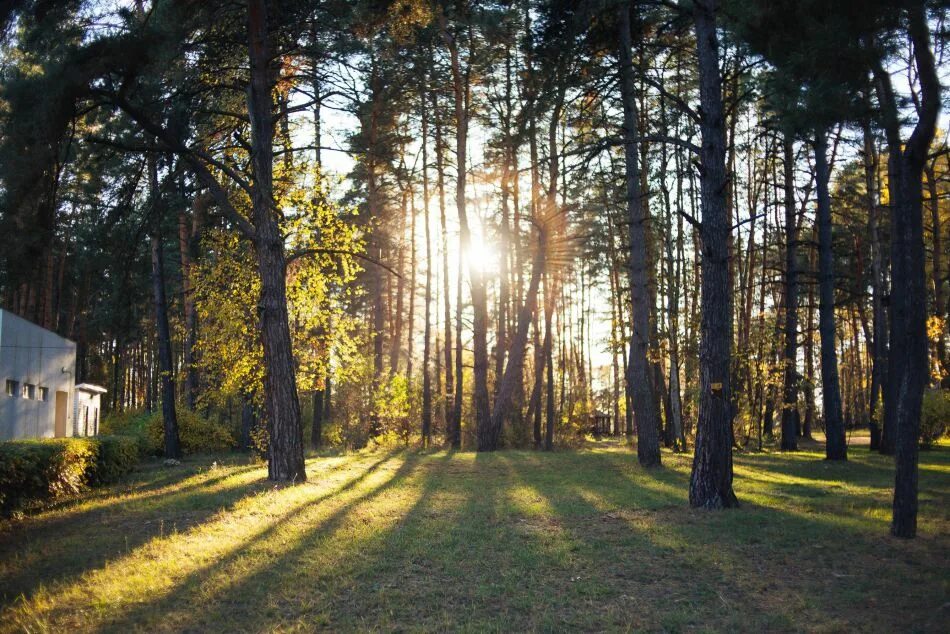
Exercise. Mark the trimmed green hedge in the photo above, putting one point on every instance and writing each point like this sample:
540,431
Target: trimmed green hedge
33,472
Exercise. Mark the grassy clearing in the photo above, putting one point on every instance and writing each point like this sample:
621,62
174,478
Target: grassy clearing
509,541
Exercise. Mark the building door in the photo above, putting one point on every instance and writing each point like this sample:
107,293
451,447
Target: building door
62,401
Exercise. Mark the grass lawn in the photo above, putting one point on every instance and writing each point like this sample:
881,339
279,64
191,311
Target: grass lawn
514,540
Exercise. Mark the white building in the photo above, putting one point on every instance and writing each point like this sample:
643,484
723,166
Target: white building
37,376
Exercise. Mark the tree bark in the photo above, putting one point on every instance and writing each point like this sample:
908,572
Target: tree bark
479,296
836,447
427,336
711,481
169,417
285,445
639,372
790,357
908,368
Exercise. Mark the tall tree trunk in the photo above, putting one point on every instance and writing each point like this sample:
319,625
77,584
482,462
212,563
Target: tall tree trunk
285,444
836,447
169,417
878,291
639,372
711,481
907,369
790,357
451,421
479,296
427,336
548,360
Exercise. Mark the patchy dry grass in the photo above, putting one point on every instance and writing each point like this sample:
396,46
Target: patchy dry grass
510,541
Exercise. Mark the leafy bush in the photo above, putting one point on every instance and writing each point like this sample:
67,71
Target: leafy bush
197,433
116,457
934,416
37,471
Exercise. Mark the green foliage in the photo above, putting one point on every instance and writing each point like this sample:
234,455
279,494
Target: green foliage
116,457
392,406
33,472
319,287
934,416
197,433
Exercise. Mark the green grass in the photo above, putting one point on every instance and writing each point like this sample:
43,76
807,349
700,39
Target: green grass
509,541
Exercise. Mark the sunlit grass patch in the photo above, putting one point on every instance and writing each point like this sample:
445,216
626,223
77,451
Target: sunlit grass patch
509,541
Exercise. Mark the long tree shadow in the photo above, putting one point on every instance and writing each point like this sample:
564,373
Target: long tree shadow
810,552
65,549
223,586
54,548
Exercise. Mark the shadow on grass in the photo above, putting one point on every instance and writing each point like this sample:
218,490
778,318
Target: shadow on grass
61,544
225,587
536,541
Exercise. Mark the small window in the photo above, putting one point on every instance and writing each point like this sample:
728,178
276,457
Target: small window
43,394
29,391
12,388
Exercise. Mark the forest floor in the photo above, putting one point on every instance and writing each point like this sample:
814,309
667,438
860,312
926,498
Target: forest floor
515,540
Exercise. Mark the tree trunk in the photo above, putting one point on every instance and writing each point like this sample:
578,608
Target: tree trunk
711,481
878,290
549,361
247,421
639,372
479,296
169,417
316,429
907,370
835,442
790,358
427,336
514,371
285,444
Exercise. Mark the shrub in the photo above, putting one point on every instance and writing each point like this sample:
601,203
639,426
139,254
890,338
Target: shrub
116,457
197,433
40,470
934,416
33,472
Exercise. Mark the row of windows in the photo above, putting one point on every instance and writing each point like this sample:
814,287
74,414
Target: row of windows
27,391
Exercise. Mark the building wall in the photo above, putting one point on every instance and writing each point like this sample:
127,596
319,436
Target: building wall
35,356
87,414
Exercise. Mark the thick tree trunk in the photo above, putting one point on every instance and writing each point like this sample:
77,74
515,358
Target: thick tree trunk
639,372
835,442
285,444
711,481
907,366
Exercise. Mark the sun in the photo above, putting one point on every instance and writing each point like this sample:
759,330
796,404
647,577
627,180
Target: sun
482,256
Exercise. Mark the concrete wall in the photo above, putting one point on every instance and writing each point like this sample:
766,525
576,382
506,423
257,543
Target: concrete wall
32,355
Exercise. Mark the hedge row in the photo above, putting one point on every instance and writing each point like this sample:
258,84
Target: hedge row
34,472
